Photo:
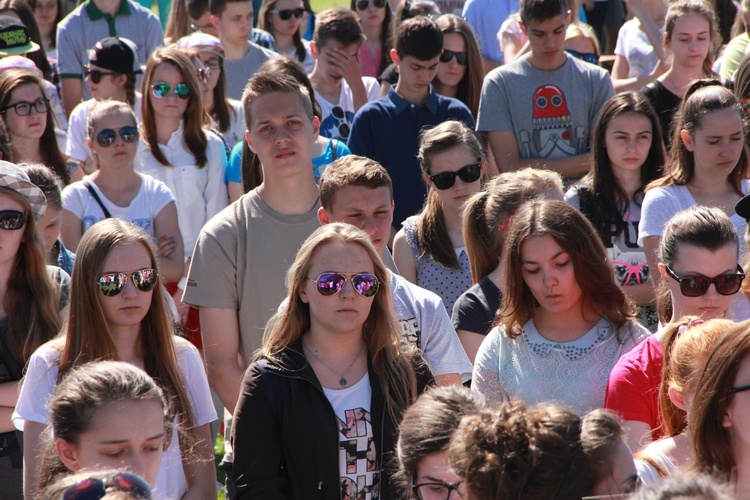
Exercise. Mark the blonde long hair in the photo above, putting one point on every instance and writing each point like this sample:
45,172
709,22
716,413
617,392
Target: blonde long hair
391,361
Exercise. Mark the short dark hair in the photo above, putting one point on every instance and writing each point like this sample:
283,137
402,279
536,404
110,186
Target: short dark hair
196,8
541,10
420,38
352,170
338,24
45,179
217,7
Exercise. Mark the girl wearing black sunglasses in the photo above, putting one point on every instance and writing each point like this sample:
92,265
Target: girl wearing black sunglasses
429,250
699,277
115,189
460,72
282,19
376,18
119,313
332,360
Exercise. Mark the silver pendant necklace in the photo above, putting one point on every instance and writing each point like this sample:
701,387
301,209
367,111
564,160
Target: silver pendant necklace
342,379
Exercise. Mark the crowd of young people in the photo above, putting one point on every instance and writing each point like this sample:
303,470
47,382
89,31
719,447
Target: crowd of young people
393,270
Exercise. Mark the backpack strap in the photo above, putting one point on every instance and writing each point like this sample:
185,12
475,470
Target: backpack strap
334,147
96,198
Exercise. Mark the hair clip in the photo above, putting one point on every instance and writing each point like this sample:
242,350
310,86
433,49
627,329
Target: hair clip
505,223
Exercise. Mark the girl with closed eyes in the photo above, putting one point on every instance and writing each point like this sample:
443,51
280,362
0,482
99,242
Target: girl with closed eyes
563,322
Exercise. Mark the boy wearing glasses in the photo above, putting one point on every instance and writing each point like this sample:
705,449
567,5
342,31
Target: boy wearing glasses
358,191
95,20
237,275
340,88
233,20
540,110
387,130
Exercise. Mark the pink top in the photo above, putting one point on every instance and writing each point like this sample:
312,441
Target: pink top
370,62
633,388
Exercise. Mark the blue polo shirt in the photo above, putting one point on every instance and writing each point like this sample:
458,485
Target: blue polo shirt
387,130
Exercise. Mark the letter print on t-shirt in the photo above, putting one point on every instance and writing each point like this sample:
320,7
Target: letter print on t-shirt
554,135
360,478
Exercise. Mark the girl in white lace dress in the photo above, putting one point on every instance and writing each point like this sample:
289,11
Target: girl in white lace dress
564,322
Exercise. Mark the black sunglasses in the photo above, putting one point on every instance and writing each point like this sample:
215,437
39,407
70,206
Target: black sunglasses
111,284
447,55
329,284
95,74
286,14
588,57
363,4
107,137
94,488
12,220
695,286
445,180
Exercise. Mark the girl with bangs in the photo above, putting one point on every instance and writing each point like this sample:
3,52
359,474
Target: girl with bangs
708,165
33,301
117,313
563,322
331,360
692,38
176,150
628,155
25,111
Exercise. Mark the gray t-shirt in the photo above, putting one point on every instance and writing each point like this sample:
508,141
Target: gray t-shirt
240,263
551,113
239,71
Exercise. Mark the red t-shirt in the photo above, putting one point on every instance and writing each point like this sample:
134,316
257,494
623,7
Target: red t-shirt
633,387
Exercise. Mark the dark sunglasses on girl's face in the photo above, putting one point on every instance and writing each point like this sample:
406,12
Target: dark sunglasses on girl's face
445,180
12,219
107,137
94,488
588,57
695,286
363,4
95,74
161,90
111,284
329,284
286,14
447,55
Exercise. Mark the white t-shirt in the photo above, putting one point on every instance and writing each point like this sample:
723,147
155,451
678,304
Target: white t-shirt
76,146
200,193
660,204
151,199
309,63
337,117
39,387
357,454
236,131
634,46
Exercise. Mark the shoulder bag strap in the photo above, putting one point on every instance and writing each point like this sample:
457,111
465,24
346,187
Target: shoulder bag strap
96,198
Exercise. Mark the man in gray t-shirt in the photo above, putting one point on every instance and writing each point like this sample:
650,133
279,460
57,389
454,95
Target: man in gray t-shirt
540,110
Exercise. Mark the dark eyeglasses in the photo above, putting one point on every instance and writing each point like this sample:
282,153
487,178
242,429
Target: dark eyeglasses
695,286
445,180
447,55
95,74
23,108
741,388
12,219
286,14
588,57
107,137
363,4
161,90
437,490
111,284
332,283
94,488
